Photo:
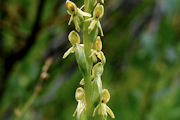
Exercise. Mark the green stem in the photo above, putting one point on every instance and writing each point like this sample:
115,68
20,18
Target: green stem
88,40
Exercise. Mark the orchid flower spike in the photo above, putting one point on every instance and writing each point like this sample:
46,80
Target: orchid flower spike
76,14
97,14
102,109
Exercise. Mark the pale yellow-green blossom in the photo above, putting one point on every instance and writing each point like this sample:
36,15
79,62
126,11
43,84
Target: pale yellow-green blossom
76,14
80,97
102,109
97,14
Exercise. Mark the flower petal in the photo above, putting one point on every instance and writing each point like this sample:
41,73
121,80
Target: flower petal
70,20
69,51
100,28
82,13
110,112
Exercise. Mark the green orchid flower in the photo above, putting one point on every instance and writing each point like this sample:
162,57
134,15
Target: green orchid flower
102,109
76,14
97,14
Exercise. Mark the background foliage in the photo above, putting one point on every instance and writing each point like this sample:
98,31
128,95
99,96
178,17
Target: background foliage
141,45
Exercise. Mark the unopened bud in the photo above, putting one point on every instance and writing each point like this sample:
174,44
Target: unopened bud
80,93
98,11
99,43
70,7
82,82
74,37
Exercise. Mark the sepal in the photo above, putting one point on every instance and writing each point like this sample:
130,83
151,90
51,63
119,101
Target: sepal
105,96
74,38
97,69
98,11
80,94
71,7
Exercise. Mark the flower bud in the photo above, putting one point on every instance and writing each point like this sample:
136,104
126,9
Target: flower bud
82,82
99,43
74,37
71,7
80,93
98,69
98,11
105,96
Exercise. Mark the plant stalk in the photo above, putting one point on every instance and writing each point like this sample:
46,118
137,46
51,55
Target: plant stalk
88,40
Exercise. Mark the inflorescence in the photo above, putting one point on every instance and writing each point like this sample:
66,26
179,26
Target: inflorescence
99,96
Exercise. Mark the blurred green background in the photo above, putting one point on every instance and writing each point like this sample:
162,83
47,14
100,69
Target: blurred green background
142,48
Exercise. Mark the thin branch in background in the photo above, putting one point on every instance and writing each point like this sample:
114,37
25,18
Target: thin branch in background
56,84
44,75
14,57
